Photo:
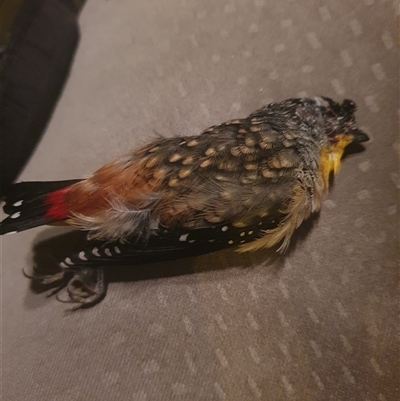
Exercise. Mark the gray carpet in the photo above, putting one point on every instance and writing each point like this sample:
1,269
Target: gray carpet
318,324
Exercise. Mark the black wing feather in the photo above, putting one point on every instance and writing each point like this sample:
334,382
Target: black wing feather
166,245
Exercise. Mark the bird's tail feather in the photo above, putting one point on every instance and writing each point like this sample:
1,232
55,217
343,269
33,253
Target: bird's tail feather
32,204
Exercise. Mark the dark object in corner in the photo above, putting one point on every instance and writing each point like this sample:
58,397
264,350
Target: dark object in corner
34,64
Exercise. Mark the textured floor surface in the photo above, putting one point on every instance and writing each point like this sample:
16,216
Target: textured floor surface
319,324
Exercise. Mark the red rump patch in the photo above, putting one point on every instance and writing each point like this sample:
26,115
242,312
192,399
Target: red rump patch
57,208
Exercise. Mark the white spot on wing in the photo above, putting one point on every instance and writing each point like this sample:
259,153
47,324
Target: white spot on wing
19,203
68,261
224,228
107,252
117,250
62,264
183,237
95,252
16,215
82,255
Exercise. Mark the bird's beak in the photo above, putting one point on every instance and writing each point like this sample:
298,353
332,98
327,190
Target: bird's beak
359,136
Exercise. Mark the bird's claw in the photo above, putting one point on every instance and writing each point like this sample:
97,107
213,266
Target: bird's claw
84,286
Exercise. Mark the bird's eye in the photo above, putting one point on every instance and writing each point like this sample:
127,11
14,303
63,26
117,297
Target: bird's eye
348,106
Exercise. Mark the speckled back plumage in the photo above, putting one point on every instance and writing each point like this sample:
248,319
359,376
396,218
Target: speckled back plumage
235,173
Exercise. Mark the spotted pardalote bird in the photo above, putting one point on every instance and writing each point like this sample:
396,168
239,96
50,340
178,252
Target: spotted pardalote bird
247,183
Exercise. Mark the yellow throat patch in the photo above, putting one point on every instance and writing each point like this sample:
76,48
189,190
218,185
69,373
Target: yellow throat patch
331,157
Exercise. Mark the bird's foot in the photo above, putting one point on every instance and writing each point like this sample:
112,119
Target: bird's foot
83,286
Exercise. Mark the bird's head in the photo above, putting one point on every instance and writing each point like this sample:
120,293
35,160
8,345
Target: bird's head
341,131
340,122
